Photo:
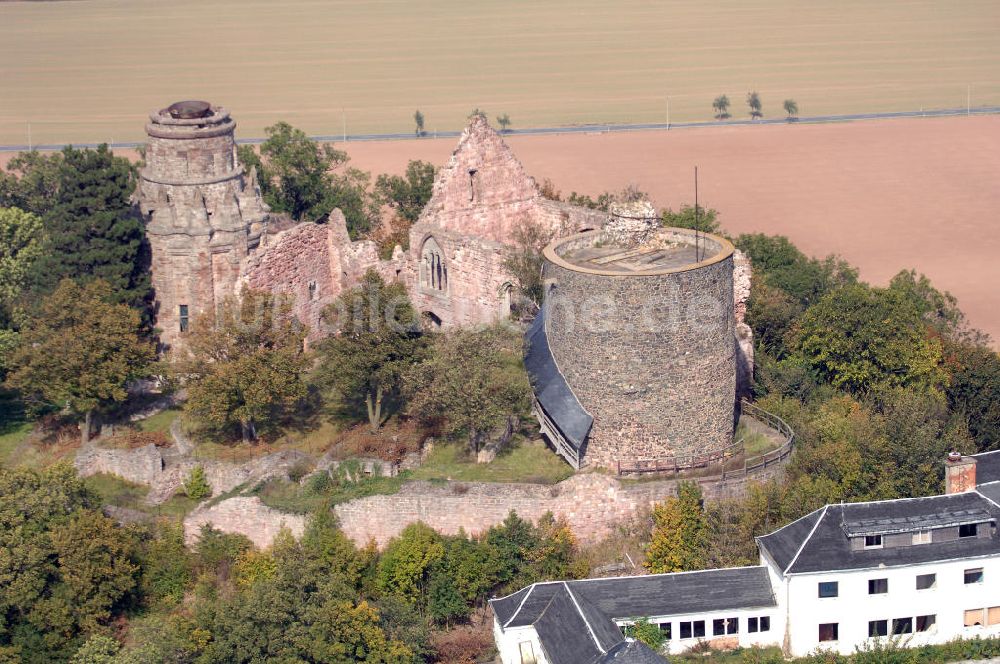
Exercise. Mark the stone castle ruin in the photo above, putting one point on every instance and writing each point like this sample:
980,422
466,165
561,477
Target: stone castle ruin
635,393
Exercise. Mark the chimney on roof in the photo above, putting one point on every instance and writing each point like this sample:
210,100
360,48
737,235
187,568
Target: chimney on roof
959,473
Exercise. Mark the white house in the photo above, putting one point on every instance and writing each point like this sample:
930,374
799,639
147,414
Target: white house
920,570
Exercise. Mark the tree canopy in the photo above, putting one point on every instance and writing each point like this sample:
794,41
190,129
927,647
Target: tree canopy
407,194
376,339
244,366
472,383
79,350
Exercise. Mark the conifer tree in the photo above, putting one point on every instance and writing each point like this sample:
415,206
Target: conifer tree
679,532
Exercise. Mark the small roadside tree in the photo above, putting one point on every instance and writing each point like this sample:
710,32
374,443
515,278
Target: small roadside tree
721,107
504,122
78,352
791,107
472,383
244,367
418,120
377,337
753,101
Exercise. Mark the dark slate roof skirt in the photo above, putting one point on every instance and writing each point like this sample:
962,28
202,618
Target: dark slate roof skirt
551,389
990,491
649,595
987,467
631,652
908,524
826,548
567,635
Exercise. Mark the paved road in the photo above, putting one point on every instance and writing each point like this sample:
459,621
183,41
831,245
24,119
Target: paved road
588,128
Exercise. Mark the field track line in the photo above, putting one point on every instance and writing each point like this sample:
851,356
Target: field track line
581,128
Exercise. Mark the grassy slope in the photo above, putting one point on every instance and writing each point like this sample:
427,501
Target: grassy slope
544,62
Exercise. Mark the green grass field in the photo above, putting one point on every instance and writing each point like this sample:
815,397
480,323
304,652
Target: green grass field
91,70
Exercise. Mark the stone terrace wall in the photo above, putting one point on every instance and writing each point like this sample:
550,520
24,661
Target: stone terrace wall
245,516
142,466
591,503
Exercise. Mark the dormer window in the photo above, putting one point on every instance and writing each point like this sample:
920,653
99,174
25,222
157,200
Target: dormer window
968,530
873,541
922,537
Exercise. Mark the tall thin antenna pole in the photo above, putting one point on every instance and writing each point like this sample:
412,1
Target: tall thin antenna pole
697,223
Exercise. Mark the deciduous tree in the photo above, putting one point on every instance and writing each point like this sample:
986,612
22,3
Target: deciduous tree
504,122
408,194
244,366
791,108
22,242
473,382
721,107
79,350
418,120
753,102
679,532
377,337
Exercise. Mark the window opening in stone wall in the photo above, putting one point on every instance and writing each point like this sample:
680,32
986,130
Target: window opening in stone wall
902,626
313,291
926,623
433,271
472,184
182,311
974,575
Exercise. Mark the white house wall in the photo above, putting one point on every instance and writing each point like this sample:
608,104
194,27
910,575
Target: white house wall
743,638
853,608
509,643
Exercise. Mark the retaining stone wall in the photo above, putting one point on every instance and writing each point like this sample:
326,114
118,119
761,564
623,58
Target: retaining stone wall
591,503
245,516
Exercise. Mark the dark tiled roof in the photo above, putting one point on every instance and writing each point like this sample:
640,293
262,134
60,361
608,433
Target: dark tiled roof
631,652
784,543
553,393
568,636
827,548
991,491
651,595
987,467
907,524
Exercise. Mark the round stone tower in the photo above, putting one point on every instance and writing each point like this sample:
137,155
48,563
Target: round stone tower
203,213
639,321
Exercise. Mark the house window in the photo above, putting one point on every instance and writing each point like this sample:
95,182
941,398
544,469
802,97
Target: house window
765,623
878,586
761,624
902,626
182,310
926,581
993,615
829,631
974,576
527,653
974,617
968,530
665,630
878,628
873,541
828,589
693,630
723,626
923,537
313,291
926,623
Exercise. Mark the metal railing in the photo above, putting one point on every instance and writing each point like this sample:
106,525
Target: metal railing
751,465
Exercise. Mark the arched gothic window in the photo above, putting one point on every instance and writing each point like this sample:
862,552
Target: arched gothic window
433,271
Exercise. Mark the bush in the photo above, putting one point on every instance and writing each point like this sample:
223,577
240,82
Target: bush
196,487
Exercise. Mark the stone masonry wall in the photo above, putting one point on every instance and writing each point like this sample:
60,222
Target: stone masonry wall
650,357
142,466
591,503
245,516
